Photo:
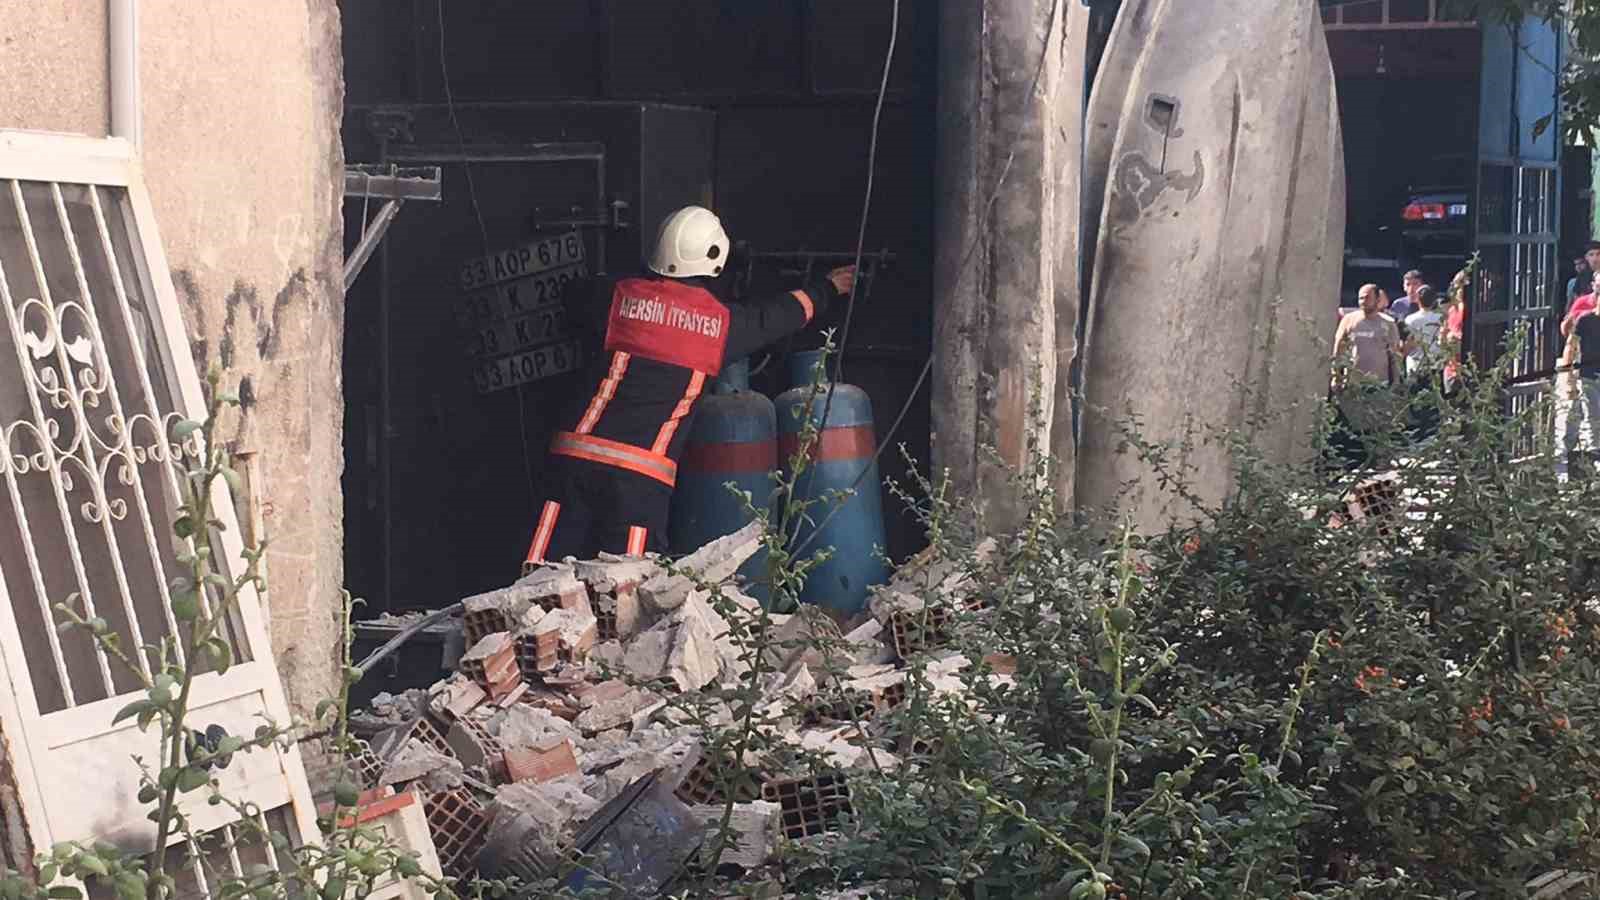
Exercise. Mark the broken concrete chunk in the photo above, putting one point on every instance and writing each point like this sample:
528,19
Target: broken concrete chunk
613,713
842,747
681,647
866,645
417,760
470,744
802,639
529,726
752,833
712,564
488,648
607,653
574,630
610,572
557,807
457,698
589,695
674,760
554,759
503,610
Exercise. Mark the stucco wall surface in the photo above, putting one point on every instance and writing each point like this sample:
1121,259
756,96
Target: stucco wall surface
53,54
241,105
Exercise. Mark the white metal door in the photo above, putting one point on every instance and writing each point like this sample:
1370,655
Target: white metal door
94,369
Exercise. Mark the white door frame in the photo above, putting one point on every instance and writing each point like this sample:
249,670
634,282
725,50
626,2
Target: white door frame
57,798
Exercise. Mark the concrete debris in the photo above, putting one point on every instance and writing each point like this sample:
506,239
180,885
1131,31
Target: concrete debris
472,744
525,725
417,760
572,695
682,647
803,639
390,710
458,698
865,644
674,760
610,572
492,664
752,833
613,713
608,654
547,762
712,564
927,577
844,747
548,587
557,806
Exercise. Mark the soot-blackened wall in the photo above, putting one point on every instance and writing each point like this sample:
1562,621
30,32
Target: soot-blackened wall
790,87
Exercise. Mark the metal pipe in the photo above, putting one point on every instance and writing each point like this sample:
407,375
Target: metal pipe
409,632
369,241
122,22
385,413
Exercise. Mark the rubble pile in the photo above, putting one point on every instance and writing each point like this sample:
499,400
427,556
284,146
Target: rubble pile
556,737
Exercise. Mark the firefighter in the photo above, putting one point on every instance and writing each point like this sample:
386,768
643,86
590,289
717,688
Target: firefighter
653,343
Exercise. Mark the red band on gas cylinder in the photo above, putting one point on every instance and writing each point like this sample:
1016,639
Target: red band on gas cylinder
753,456
855,442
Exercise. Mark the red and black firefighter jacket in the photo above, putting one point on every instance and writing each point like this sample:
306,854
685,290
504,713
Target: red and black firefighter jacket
651,346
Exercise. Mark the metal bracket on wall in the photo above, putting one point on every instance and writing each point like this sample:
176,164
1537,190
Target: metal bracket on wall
394,186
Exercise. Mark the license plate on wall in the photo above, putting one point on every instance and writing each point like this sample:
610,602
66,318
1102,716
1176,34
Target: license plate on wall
526,366
513,299
522,262
520,333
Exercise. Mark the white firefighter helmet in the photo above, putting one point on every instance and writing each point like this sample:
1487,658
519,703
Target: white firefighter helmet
691,242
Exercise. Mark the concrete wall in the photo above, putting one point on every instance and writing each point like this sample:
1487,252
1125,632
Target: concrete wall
54,57
241,104
241,107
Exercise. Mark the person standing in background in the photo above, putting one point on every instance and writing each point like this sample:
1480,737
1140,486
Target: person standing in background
1455,328
1581,277
1423,328
1402,308
1583,303
1577,418
1366,342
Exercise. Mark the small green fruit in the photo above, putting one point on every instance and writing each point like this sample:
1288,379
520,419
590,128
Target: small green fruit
346,794
186,607
1121,618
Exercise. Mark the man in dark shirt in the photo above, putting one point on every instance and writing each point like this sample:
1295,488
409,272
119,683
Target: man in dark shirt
1577,420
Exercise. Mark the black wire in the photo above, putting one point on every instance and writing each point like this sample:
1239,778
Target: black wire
866,203
861,235
966,260
483,234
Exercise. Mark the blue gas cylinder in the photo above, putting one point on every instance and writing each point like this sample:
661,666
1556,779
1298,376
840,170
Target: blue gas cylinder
733,439
844,447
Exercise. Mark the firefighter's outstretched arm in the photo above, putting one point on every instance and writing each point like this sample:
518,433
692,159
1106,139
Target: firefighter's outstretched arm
757,324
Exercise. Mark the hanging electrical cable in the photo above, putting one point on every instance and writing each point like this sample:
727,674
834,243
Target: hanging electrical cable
483,233
968,255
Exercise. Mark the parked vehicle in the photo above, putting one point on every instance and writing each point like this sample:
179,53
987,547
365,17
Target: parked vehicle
1434,218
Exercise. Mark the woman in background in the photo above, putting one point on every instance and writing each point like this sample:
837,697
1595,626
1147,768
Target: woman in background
1455,325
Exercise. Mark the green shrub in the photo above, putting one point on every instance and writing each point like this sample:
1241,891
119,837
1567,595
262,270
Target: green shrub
1269,699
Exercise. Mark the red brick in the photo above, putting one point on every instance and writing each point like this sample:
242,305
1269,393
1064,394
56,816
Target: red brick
540,764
